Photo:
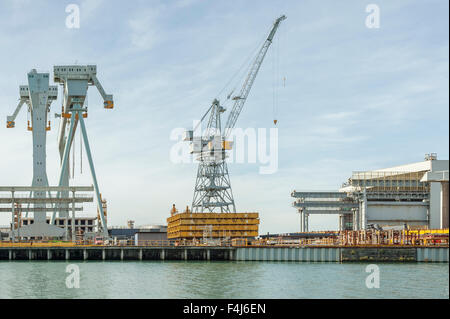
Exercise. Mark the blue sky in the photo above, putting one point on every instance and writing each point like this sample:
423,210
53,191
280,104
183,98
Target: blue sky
355,98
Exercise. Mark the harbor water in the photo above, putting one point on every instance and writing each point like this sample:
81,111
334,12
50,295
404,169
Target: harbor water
214,279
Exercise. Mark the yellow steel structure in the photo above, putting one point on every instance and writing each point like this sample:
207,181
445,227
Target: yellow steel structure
426,231
226,145
188,225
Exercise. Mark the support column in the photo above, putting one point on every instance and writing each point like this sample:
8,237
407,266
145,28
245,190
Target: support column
10,254
30,254
74,234
140,254
364,211
163,254
103,254
13,237
66,225
185,254
300,211
49,254
85,254
121,254
64,164
208,254
94,177
306,222
67,254
444,205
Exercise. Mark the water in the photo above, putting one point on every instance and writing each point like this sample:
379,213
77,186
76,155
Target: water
181,279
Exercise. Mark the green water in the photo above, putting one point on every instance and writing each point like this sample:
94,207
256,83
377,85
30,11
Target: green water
180,279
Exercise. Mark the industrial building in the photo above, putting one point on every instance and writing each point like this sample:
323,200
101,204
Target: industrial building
411,195
139,233
82,224
151,234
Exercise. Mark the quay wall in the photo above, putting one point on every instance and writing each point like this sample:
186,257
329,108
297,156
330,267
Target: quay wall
302,254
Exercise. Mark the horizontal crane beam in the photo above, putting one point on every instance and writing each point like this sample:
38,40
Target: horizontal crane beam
36,209
327,204
319,194
326,211
46,188
24,200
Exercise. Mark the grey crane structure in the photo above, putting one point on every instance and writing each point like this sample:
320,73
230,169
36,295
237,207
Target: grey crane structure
75,80
212,192
38,96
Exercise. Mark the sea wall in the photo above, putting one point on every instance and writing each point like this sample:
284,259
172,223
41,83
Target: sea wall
117,253
302,254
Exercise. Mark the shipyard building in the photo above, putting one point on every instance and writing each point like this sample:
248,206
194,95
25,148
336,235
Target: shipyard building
411,195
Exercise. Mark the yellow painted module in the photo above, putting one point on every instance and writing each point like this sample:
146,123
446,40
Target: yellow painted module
188,225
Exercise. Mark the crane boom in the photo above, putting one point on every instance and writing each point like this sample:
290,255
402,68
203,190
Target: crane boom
245,90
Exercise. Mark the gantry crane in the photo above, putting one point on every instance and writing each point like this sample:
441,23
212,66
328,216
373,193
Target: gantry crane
212,191
75,80
38,96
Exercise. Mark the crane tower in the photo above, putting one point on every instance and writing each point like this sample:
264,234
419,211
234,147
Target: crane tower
212,192
38,96
75,80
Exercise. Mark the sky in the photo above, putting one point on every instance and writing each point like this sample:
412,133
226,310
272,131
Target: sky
348,97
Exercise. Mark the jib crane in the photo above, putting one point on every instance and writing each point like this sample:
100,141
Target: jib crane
212,192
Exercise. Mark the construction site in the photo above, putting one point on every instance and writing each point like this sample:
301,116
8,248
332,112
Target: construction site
399,213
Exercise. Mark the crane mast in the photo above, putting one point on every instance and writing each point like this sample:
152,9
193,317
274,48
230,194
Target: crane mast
213,191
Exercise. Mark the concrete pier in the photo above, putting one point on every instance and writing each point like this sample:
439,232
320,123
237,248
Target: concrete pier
305,254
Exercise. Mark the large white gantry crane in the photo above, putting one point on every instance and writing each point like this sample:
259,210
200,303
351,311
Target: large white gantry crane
75,80
212,191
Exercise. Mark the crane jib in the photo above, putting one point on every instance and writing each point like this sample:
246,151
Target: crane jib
239,103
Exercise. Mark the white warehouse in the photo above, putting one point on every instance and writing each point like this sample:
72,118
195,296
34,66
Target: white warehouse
415,195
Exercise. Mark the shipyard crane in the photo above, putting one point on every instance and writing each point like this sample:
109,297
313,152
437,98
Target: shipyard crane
37,112
75,80
38,95
213,191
